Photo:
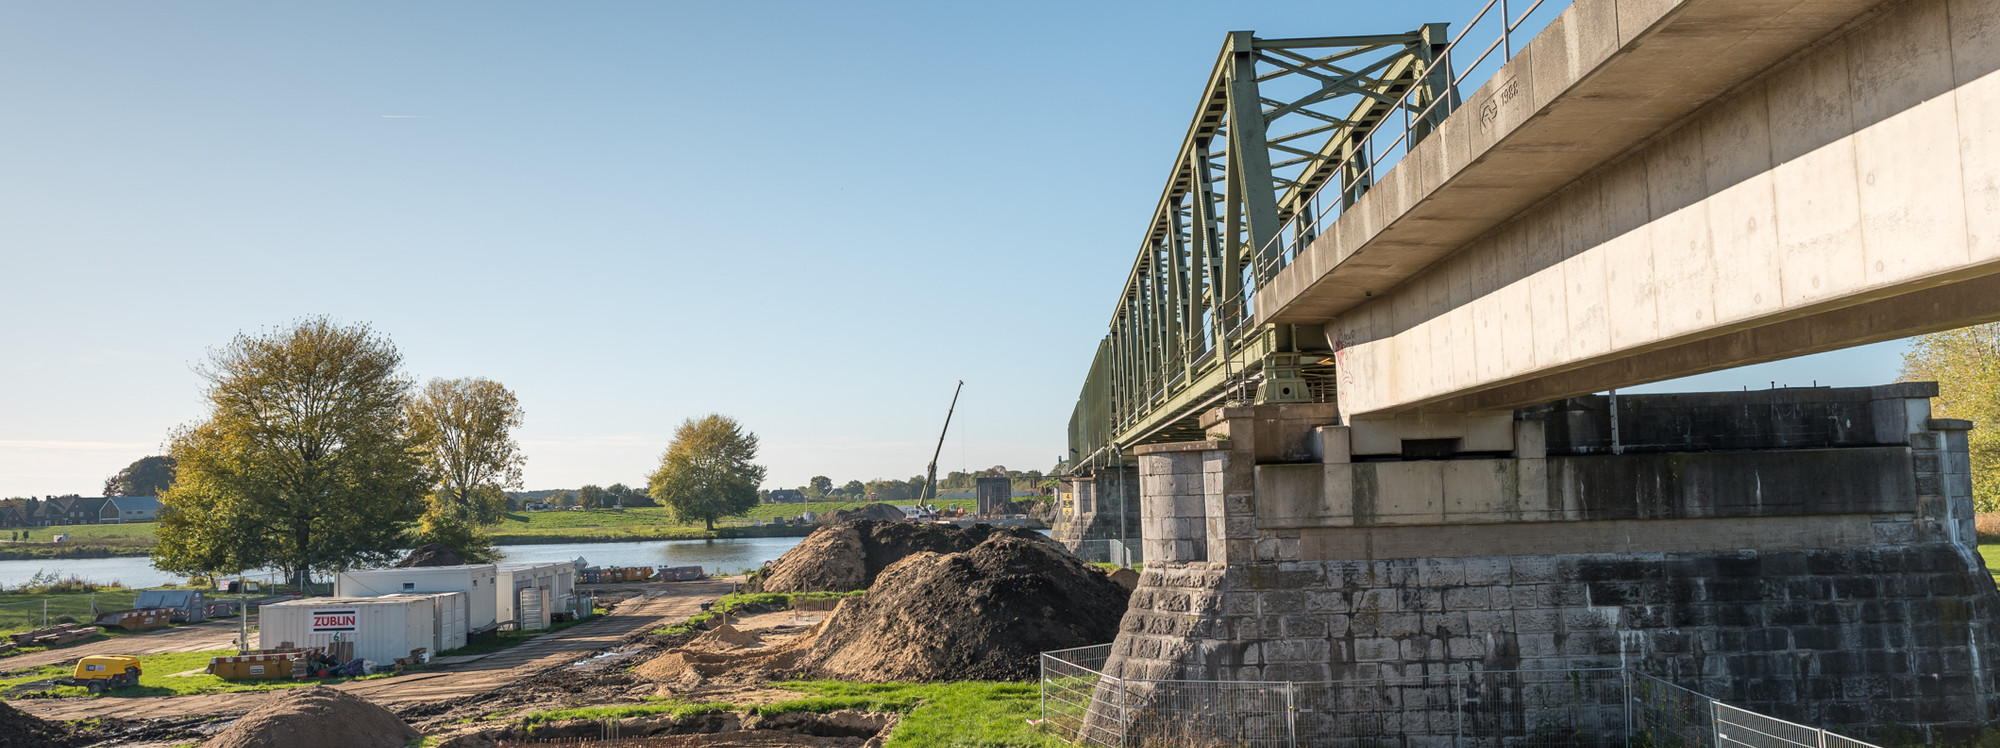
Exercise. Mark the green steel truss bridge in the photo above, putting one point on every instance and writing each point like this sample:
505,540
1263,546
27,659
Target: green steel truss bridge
1284,137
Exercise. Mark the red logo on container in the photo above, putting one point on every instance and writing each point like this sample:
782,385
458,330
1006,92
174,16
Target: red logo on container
335,620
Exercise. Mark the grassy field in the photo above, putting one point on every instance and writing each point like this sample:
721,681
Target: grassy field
158,677
85,541
974,714
585,526
1991,552
23,611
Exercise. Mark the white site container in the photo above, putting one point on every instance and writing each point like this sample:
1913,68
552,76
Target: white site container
448,618
382,628
555,579
477,581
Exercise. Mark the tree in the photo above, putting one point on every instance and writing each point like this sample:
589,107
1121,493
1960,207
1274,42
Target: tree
1966,365
628,496
562,498
706,473
306,461
147,476
592,497
818,487
855,491
465,427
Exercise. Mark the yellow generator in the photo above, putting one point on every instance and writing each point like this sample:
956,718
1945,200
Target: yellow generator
100,673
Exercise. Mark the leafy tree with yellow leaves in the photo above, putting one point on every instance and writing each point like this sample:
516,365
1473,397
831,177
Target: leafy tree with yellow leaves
1966,365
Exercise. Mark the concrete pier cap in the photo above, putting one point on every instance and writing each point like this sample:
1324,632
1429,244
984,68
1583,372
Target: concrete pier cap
1767,548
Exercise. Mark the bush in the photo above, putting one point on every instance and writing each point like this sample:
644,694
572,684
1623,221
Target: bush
1987,527
49,582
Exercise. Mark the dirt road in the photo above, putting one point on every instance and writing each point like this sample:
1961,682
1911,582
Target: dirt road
218,634
662,603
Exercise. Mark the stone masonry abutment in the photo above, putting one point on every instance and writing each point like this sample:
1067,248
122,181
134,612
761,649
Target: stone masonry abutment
1807,553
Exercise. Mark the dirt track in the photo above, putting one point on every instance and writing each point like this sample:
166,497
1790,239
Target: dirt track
669,602
219,634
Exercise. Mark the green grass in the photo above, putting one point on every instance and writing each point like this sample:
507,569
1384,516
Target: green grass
85,541
154,680
1991,552
974,714
586,526
23,611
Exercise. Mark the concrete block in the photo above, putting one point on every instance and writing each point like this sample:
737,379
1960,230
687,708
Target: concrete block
1407,492
1330,444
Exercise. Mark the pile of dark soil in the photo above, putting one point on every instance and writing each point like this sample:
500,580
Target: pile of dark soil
982,614
879,512
849,555
316,717
20,729
431,554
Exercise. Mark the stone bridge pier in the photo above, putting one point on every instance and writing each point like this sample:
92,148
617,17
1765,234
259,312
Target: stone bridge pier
1806,553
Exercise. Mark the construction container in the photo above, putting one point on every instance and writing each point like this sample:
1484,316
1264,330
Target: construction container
680,573
188,605
382,629
555,581
475,580
448,619
259,665
136,619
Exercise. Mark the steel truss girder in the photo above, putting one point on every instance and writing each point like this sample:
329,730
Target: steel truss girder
1277,121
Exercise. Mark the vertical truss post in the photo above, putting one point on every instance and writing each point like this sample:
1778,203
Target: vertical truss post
1433,82
1177,253
1250,183
1209,232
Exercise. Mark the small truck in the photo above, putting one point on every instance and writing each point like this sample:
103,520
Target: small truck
101,673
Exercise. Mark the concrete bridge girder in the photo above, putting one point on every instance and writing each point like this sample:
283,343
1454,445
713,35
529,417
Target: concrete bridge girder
1841,195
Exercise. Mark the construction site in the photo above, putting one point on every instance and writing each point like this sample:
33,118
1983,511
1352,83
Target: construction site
709,661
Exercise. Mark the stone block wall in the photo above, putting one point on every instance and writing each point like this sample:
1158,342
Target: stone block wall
1854,599
1104,506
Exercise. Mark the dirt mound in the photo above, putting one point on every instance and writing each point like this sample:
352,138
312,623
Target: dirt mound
881,512
982,614
848,556
20,729
431,554
1126,578
316,717
724,638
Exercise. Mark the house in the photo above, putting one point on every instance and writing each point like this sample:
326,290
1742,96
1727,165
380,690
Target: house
71,510
787,496
14,512
122,509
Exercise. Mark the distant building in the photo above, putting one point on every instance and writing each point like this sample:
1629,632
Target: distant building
123,509
996,495
787,496
72,510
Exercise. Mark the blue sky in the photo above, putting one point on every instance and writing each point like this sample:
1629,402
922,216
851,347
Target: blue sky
814,217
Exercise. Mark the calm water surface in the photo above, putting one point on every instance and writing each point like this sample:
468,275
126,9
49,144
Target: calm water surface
725,556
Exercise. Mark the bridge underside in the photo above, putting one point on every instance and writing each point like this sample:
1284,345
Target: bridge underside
1837,190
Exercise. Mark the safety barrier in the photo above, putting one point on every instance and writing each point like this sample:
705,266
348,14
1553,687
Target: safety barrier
1527,708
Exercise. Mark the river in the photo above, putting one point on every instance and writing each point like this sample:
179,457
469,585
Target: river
725,556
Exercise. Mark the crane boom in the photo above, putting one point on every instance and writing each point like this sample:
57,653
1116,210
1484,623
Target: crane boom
930,476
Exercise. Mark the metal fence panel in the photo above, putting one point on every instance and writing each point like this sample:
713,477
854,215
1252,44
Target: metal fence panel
1476,709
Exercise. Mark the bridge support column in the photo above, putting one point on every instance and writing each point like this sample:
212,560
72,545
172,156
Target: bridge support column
1804,553
1102,511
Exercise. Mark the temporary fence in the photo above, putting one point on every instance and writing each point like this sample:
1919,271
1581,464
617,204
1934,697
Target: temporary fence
1123,552
1526,708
